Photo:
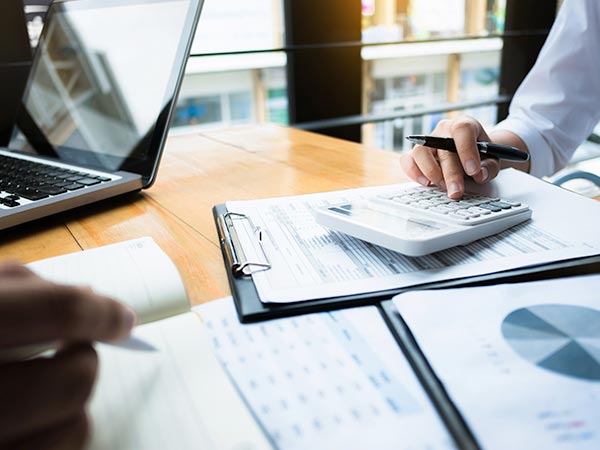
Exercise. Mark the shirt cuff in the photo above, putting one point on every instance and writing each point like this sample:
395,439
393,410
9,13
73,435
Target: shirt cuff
540,153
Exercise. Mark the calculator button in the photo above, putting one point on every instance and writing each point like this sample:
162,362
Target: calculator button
479,211
473,201
502,205
434,202
442,209
490,207
421,204
400,199
460,214
459,205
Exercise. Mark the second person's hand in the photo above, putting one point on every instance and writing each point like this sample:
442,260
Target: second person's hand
43,400
446,169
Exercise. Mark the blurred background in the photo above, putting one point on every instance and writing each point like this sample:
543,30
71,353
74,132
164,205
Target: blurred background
372,71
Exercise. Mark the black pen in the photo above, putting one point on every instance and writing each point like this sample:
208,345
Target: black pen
485,148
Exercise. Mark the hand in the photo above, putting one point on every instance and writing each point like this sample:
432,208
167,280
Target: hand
447,169
42,400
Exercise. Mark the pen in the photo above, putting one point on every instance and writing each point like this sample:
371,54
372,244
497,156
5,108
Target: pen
485,148
30,351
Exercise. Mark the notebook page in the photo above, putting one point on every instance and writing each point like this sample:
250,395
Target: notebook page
177,397
135,272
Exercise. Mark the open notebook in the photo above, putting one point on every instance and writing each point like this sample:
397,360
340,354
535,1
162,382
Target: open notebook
172,393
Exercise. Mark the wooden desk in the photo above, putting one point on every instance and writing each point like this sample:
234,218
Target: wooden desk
197,172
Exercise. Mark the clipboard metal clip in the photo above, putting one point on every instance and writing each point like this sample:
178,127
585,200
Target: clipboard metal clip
236,257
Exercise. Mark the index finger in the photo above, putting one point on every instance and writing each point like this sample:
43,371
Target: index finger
36,311
465,136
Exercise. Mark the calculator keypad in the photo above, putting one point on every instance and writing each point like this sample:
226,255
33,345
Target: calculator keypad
433,202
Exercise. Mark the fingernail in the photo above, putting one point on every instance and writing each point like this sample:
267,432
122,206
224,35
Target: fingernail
453,189
443,184
471,167
484,174
424,181
129,317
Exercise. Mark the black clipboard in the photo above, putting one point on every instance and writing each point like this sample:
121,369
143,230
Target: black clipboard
251,309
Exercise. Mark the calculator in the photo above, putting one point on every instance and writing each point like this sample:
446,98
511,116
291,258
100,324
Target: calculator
419,220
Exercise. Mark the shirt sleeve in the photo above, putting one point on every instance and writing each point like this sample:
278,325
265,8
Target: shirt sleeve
558,104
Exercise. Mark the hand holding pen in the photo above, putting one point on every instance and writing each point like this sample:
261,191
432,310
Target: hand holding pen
44,398
467,150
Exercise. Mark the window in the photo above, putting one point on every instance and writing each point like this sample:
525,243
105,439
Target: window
380,68
426,60
235,74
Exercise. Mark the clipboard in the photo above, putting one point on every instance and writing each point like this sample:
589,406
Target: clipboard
251,309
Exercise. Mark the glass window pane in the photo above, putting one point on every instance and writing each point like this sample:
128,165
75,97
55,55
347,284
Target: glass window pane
413,75
240,106
397,20
277,100
243,96
251,87
198,110
236,25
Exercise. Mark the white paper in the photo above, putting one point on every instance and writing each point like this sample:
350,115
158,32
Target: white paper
136,272
177,397
311,262
326,381
521,362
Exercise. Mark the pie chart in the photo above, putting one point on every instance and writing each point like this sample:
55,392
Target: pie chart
564,339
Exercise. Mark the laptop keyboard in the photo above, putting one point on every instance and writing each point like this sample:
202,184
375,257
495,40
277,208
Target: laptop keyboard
21,179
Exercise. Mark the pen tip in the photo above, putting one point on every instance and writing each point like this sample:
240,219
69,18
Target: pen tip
416,139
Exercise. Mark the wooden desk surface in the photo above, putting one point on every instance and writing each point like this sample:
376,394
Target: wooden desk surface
197,172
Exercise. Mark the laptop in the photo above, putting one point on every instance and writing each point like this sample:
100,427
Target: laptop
97,104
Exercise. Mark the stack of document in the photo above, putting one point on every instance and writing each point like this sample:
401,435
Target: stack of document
311,262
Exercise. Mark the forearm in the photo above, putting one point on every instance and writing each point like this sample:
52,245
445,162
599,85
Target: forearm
506,137
556,106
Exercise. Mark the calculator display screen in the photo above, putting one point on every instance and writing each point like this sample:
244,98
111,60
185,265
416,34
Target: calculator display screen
409,227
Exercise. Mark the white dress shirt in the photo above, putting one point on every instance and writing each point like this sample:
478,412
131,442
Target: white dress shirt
558,104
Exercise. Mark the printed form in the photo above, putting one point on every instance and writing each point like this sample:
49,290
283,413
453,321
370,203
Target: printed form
527,373
326,381
310,261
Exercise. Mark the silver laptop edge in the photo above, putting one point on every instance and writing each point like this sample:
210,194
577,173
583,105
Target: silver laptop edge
120,183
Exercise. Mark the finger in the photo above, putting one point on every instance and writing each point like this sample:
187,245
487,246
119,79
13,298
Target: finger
426,161
37,311
453,174
490,167
42,393
72,434
14,269
465,133
410,168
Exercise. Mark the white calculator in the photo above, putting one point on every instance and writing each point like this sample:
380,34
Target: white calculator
420,220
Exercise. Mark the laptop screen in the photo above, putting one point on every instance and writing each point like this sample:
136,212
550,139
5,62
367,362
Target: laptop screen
104,80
